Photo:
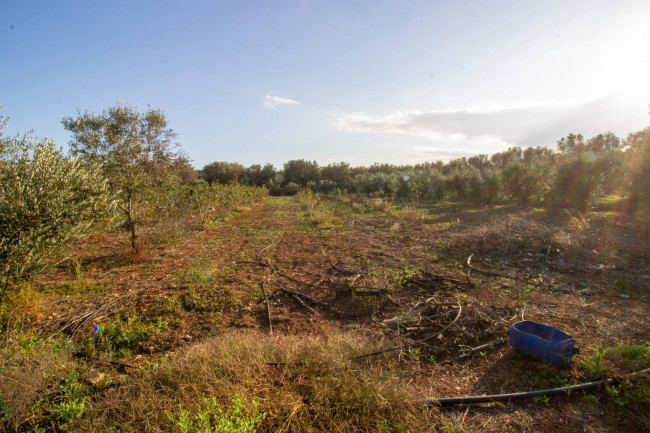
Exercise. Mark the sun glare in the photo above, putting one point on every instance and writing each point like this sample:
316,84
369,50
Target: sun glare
624,61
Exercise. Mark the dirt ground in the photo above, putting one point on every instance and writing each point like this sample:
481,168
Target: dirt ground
366,266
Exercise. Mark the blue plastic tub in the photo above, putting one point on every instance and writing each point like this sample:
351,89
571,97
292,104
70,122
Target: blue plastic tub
542,342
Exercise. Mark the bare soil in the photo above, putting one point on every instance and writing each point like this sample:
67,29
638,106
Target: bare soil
368,266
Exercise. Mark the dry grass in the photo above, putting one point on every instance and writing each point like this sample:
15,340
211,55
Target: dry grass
313,388
22,304
31,371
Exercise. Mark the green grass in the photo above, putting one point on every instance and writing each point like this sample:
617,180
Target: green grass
60,410
210,299
617,361
240,416
167,306
123,337
78,287
281,200
201,271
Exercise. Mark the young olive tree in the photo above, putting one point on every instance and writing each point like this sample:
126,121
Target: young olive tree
47,200
135,150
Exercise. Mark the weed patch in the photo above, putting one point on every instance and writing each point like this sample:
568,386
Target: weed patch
79,287
122,337
209,299
239,417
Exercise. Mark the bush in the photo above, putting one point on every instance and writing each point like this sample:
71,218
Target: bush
47,200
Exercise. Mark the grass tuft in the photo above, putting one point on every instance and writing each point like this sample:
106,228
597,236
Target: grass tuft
312,389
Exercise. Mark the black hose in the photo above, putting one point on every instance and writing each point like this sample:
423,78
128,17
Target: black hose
521,395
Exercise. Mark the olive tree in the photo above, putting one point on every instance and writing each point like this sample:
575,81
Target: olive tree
226,173
135,150
3,124
301,172
638,167
47,200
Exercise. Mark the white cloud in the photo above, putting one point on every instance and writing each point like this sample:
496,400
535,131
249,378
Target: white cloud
274,102
490,128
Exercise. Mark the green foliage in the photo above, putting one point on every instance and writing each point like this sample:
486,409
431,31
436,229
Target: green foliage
542,400
256,175
485,186
209,300
315,213
301,172
168,305
59,411
339,175
78,287
629,357
207,199
572,143
3,125
522,181
135,151
638,168
122,337
398,277
617,360
577,179
227,173
370,204
47,200
309,199
240,417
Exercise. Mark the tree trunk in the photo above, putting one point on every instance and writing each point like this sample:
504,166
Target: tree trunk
131,222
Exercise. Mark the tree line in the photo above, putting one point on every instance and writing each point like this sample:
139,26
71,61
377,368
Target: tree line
125,168
574,174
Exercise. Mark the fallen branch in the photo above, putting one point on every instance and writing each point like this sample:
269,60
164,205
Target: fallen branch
312,300
522,395
404,317
301,302
345,271
108,304
435,278
76,323
404,346
119,364
483,271
472,350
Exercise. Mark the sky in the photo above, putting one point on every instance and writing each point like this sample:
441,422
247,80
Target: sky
361,81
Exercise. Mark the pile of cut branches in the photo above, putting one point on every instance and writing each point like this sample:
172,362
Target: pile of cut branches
475,329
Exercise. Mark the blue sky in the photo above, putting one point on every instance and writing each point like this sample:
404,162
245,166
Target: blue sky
357,81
